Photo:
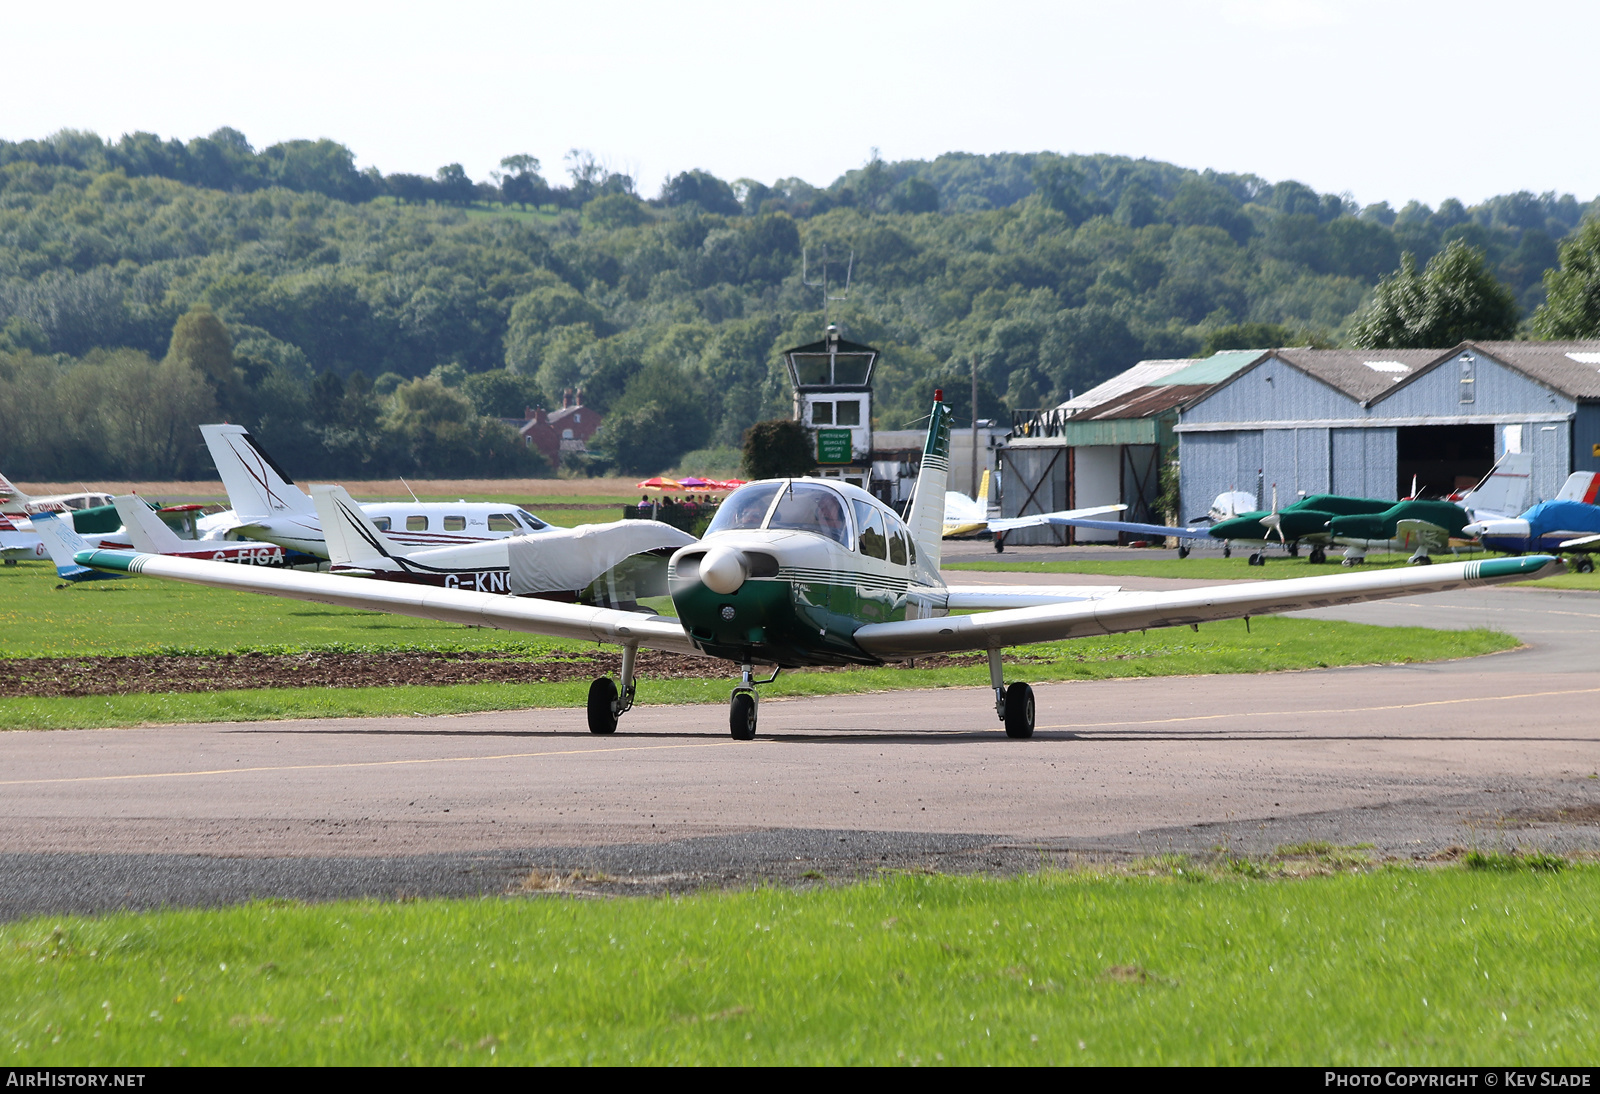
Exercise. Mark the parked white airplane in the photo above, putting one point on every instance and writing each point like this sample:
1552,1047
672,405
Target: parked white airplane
19,542
271,508
14,500
152,535
612,564
818,572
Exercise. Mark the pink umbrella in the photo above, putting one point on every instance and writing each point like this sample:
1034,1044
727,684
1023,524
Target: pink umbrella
694,482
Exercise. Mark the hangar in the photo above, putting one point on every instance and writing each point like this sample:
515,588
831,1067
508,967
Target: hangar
1366,422
1104,446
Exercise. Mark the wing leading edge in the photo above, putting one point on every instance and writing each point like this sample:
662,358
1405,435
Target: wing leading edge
1138,611
510,613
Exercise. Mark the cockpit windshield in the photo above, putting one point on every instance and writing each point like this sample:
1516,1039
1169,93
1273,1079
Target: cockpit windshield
807,508
533,522
746,507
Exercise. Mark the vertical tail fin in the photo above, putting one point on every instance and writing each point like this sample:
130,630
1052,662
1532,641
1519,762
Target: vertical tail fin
63,542
256,485
148,532
982,496
9,494
353,540
926,518
1504,491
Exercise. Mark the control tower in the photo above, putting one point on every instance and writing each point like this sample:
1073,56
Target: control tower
832,382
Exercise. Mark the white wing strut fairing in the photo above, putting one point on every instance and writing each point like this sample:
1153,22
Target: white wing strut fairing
1138,611
425,602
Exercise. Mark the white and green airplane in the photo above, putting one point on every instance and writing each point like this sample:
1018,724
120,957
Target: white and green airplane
798,572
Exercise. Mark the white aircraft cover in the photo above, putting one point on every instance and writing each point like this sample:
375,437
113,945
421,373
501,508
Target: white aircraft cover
570,558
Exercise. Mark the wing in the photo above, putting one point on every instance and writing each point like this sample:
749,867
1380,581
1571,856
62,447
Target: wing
1130,526
1006,524
990,597
511,613
1137,611
1583,543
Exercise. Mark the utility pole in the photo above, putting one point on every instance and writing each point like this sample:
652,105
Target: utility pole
983,501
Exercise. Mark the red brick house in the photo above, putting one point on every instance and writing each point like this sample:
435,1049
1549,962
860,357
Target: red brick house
558,432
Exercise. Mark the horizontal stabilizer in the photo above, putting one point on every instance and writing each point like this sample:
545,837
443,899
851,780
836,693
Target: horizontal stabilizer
1133,528
1036,520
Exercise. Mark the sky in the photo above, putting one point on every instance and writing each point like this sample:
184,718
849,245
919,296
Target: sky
1382,99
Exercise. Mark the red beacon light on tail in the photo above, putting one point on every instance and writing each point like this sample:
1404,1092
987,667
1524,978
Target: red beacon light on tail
938,394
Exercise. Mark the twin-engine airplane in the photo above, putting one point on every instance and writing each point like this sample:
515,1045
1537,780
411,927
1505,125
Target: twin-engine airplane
797,572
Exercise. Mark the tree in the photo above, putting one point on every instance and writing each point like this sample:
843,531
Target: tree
520,181
1246,336
1455,299
701,188
454,185
781,448
1572,293
201,341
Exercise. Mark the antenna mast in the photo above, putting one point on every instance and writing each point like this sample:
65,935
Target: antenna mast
805,279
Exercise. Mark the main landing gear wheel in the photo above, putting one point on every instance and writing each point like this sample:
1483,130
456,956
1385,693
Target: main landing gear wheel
1419,560
1294,549
1019,711
1183,551
1000,543
1317,556
1584,565
603,706
1258,559
742,716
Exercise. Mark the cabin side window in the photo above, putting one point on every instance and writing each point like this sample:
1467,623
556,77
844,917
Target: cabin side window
455,524
897,544
533,522
416,524
502,522
870,538
382,523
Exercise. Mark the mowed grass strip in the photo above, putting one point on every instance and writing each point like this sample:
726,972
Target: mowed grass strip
1270,644
1395,966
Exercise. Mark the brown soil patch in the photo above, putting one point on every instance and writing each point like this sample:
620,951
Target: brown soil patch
46,677
1571,814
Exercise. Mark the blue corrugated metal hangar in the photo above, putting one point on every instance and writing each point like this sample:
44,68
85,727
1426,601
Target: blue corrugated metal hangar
1369,422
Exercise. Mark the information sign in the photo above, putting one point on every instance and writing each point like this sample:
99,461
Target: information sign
833,446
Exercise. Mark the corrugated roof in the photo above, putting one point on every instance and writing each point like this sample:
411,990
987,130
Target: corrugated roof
1142,402
1214,369
1361,374
1572,368
1144,374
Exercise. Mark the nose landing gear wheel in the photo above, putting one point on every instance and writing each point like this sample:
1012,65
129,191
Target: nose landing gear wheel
742,716
1019,711
1317,556
603,706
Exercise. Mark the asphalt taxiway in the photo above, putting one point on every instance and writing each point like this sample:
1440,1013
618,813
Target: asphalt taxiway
1495,752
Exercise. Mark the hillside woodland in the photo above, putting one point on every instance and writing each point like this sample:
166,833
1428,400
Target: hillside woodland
367,324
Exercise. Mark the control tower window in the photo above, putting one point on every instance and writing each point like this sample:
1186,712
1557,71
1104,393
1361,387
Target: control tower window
849,412
822,413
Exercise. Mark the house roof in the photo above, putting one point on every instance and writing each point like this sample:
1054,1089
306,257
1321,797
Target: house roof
1362,374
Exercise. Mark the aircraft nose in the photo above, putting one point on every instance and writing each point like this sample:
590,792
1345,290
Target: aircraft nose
723,570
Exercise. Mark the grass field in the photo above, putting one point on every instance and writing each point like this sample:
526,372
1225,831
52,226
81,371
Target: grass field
147,616
1396,965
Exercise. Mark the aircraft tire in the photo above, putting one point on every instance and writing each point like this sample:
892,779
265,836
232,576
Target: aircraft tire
1317,557
1420,560
742,716
1258,559
602,694
1019,711
1183,552
999,545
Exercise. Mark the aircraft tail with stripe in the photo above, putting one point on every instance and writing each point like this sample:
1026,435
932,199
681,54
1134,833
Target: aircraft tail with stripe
64,543
925,520
257,487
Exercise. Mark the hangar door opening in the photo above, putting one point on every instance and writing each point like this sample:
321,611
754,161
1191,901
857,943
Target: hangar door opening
1444,458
